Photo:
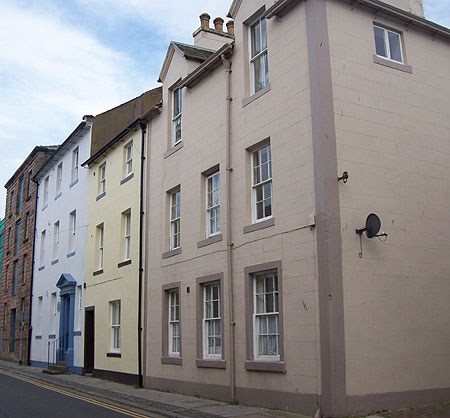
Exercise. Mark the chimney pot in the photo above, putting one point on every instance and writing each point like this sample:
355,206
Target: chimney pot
218,24
230,27
204,20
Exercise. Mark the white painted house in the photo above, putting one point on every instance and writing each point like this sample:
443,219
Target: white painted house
59,257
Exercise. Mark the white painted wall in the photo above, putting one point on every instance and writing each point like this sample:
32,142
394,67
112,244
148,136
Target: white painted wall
44,282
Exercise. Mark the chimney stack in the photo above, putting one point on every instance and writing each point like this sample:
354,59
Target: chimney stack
218,24
204,20
230,27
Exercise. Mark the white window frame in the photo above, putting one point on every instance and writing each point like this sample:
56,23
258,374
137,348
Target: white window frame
100,237
55,239
387,44
115,314
45,192
75,157
261,54
177,106
72,230
266,313
174,336
211,319
212,205
126,235
128,159
102,179
58,178
175,220
256,185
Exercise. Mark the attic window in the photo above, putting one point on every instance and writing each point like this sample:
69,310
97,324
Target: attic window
176,117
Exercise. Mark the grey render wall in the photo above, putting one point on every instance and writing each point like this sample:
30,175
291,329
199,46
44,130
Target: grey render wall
393,130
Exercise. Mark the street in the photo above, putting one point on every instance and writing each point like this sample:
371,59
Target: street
26,397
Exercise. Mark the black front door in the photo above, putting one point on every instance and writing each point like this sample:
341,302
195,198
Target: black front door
89,339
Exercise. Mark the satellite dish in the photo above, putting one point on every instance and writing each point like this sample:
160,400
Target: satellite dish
372,229
373,225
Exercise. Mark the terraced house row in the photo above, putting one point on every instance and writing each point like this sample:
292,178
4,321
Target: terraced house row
220,235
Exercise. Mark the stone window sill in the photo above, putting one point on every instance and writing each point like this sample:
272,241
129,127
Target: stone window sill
255,96
210,240
73,183
124,263
211,364
174,149
266,366
96,273
171,253
259,225
118,355
392,64
129,177
100,196
177,361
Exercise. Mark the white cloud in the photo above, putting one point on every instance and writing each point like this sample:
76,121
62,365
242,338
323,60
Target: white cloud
169,19
51,74
438,11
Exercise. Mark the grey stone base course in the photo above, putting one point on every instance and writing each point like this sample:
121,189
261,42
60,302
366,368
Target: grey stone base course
374,402
306,404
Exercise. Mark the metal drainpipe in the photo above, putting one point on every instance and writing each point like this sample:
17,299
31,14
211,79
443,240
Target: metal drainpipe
227,63
30,330
143,126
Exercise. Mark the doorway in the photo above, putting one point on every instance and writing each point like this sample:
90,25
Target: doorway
89,340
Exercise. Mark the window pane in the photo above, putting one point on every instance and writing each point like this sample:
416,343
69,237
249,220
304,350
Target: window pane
218,341
395,47
263,325
259,284
273,324
259,193
259,303
215,292
263,35
216,309
260,72
379,42
256,38
269,302
217,328
267,207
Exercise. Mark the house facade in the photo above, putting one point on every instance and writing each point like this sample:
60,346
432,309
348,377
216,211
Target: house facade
258,289
60,245
113,304
18,250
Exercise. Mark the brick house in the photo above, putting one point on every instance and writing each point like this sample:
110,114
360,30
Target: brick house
17,266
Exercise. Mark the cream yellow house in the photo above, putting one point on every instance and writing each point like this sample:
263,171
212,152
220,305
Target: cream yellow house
113,308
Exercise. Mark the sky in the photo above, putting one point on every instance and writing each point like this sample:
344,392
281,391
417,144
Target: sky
62,59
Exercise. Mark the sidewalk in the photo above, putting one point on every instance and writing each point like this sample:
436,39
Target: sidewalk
175,405
151,401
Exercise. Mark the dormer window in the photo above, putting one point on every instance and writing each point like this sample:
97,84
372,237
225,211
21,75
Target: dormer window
176,117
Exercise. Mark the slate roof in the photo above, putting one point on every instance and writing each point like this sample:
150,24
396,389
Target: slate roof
194,52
